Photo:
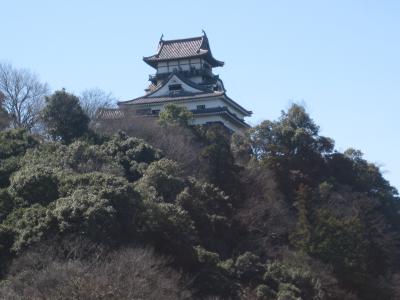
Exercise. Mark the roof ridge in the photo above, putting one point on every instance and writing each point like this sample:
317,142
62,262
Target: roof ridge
183,40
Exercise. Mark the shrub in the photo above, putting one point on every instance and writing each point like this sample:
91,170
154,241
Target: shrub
132,154
7,167
175,115
161,181
170,229
211,211
264,292
15,142
206,257
292,282
35,184
6,204
88,214
248,266
7,236
30,225
117,190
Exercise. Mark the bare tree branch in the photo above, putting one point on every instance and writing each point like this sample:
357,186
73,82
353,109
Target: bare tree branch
93,99
23,95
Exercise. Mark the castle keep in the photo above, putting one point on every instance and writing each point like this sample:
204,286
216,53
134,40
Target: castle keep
184,76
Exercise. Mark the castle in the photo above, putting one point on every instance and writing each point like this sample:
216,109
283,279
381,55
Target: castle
184,76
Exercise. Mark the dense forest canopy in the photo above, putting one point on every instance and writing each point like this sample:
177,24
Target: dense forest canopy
143,209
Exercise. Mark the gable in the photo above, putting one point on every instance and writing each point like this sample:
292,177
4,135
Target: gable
174,84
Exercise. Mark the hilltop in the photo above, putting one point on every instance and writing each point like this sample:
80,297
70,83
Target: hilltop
140,208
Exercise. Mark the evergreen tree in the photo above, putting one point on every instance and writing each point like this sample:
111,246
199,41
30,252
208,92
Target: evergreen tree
175,115
64,117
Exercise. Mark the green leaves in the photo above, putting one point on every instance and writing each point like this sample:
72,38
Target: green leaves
15,142
294,134
35,184
64,117
30,224
175,115
161,181
88,214
132,154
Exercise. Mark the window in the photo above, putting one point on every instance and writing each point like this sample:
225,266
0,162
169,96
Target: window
175,87
155,112
201,106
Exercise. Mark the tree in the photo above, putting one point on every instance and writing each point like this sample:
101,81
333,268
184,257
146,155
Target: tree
292,147
294,135
217,160
93,99
23,95
4,116
175,115
64,117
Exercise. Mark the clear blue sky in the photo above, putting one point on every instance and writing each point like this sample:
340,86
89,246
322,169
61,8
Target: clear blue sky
339,58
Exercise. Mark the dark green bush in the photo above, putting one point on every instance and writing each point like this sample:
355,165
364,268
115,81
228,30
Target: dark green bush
30,224
6,204
35,184
161,182
132,154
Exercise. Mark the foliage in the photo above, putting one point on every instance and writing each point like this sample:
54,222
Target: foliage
169,227
275,213
113,197
6,241
287,282
6,204
64,117
175,115
30,224
217,160
88,214
161,181
248,266
4,116
132,154
13,144
211,211
35,184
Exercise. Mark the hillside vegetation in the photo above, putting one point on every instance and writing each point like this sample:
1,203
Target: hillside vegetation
133,208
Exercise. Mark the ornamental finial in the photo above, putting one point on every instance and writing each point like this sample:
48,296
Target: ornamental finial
204,33
161,38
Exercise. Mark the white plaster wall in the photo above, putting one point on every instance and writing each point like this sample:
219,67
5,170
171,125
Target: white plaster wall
196,79
199,120
214,102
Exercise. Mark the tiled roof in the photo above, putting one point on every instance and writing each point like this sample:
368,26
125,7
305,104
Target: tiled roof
179,97
183,48
115,114
109,113
176,97
180,48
